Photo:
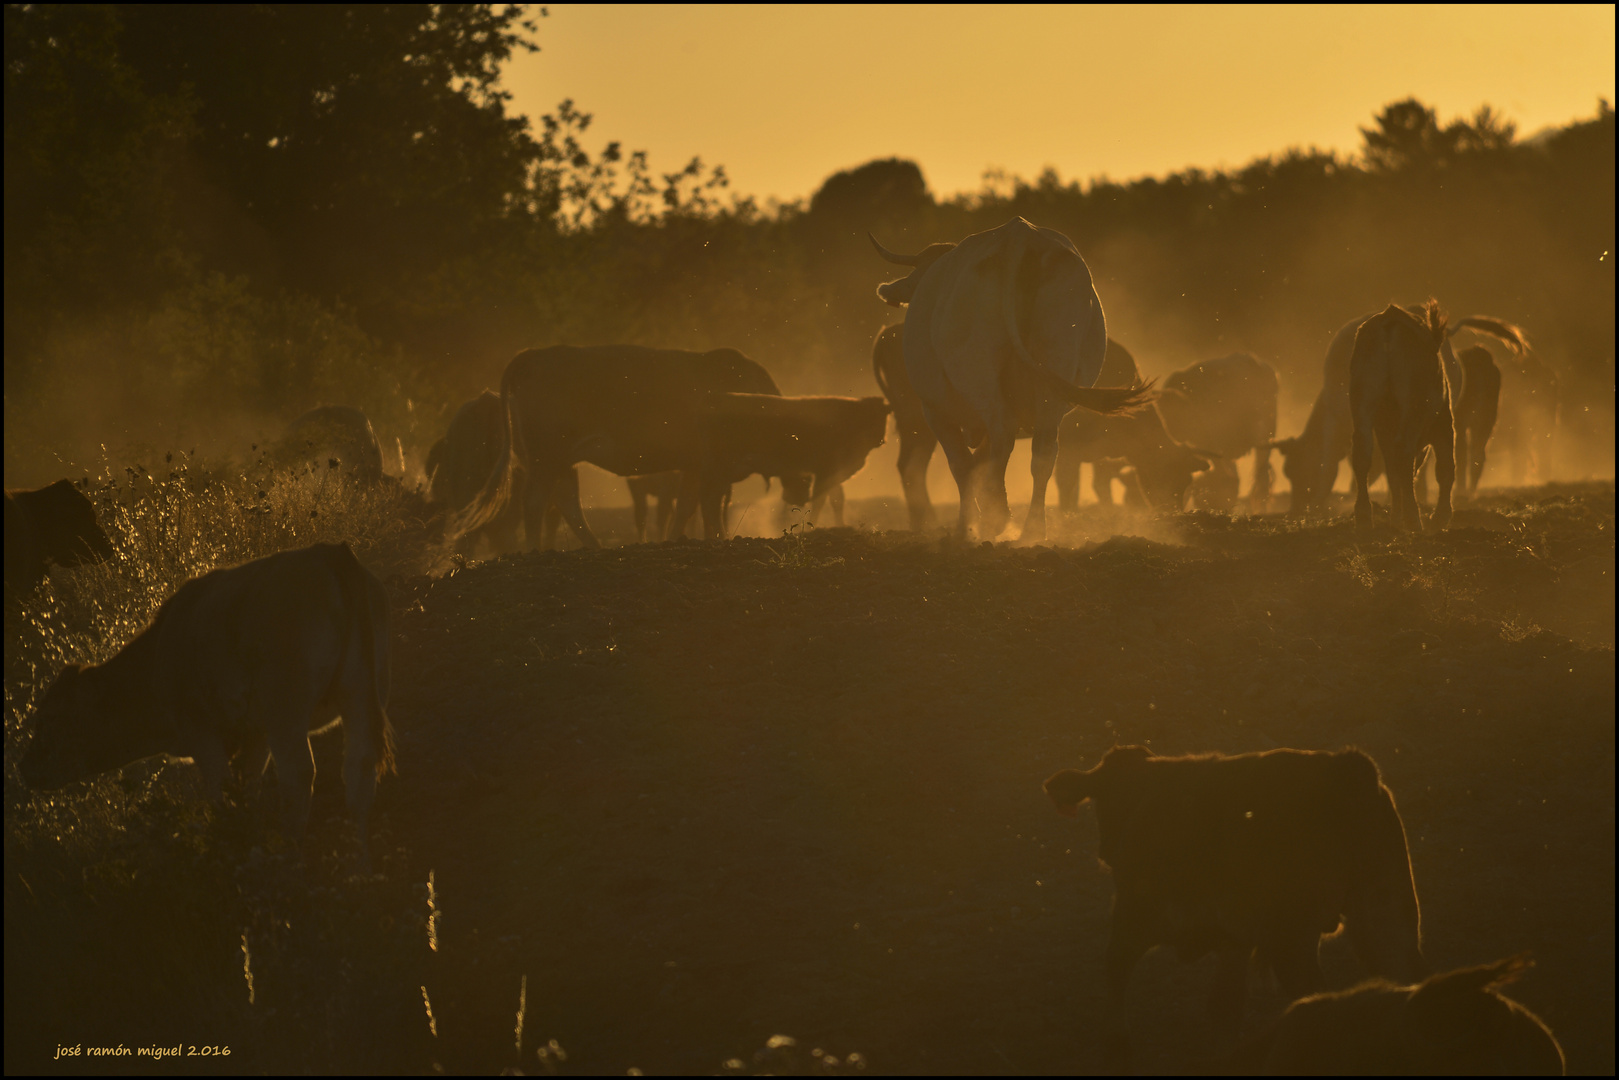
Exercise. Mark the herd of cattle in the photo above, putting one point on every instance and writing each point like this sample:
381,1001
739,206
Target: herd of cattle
1253,856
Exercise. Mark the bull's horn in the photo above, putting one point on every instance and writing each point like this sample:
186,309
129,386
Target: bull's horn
891,256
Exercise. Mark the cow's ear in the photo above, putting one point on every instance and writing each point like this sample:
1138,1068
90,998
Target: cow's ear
1068,789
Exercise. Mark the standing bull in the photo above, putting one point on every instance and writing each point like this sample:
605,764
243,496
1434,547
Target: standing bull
1004,333
1476,412
1228,407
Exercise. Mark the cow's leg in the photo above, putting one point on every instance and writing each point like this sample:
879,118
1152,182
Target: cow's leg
1477,442
1103,472
638,499
1444,468
687,496
960,456
567,497
990,462
1361,451
666,507
535,497
213,768
713,496
1259,493
915,452
1066,472
294,766
1041,461
836,497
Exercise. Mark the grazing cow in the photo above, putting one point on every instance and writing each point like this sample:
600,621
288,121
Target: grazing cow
1399,391
251,657
1005,334
1476,411
1529,417
1454,1024
52,524
1258,851
336,432
813,443
1228,407
1163,467
1310,460
628,409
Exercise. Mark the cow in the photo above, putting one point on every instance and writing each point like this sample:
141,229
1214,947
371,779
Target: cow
1163,467
628,409
664,487
1005,333
1400,393
338,433
1476,412
1226,406
1310,460
813,443
1257,852
249,658
53,524
1454,1024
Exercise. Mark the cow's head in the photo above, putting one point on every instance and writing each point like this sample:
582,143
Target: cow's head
83,727
1071,788
1166,476
67,522
899,293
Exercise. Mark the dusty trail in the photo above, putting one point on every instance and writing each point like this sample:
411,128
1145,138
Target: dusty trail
700,794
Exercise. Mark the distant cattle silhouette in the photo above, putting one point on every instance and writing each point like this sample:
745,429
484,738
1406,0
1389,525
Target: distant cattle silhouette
52,524
1226,407
1253,853
1311,459
1400,393
1004,333
1476,412
1454,1024
1530,414
338,433
813,443
251,656
628,409
1163,466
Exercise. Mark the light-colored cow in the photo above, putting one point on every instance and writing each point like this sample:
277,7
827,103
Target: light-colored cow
1004,333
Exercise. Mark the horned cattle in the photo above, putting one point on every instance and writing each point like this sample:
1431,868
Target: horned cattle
1004,333
53,524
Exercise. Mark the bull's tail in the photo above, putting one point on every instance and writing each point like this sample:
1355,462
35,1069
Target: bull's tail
1496,328
497,501
1107,400
352,581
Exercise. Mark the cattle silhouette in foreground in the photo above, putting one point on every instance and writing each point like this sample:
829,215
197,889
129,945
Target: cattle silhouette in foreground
1164,467
53,524
1454,1024
1004,333
624,408
1399,392
1253,853
813,443
1310,460
338,433
245,659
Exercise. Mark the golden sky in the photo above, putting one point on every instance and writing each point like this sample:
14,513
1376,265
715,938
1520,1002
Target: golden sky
785,96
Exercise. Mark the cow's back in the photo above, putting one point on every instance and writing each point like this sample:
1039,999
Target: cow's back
628,408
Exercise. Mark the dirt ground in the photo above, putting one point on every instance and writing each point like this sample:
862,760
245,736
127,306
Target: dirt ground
702,793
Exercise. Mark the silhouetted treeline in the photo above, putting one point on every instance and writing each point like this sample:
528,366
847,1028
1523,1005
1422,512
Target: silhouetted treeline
219,216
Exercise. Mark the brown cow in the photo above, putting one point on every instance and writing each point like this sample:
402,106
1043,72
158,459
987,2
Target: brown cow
1261,852
52,524
258,655
1228,407
625,408
1400,391
1163,466
1455,1024
813,443
1476,412
916,438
